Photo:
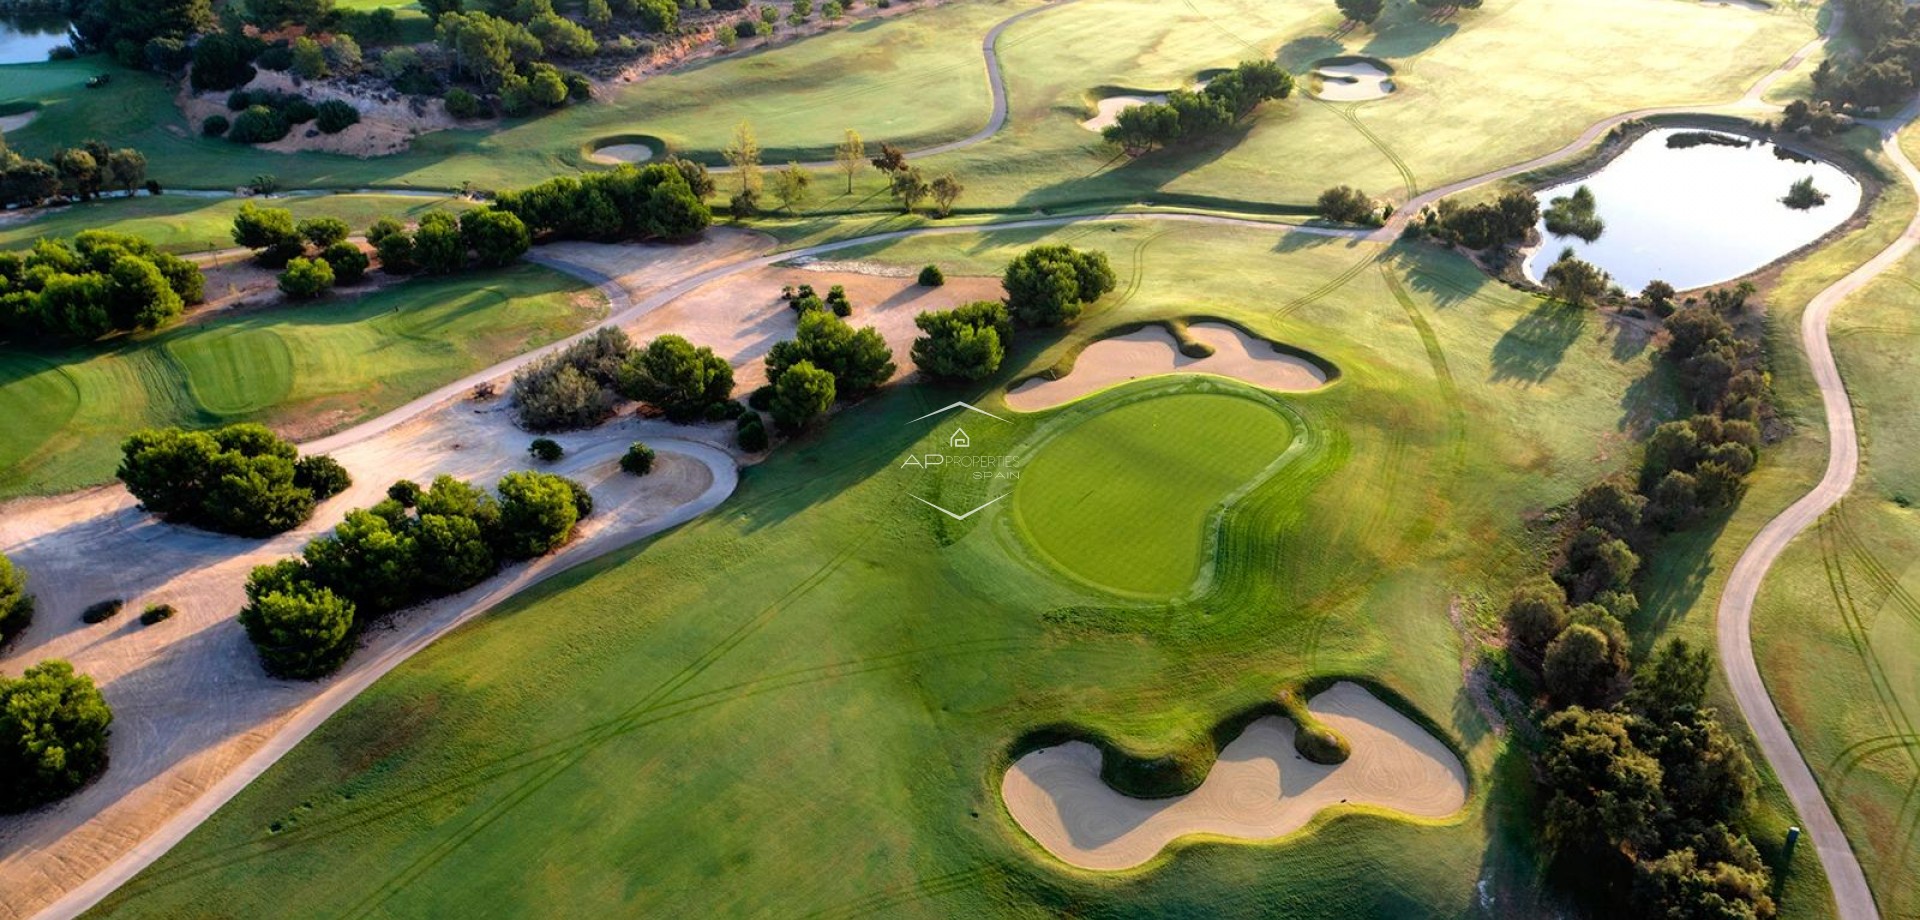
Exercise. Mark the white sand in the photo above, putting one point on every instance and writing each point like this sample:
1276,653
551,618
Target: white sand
16,122
1353,82
1259,789
621,153
1109,109
1152,352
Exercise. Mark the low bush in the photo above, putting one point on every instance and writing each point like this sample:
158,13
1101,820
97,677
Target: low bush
546,450
258,125
751,433
102,611
156,613
1312,738
215,126
932,276
334,116
638,460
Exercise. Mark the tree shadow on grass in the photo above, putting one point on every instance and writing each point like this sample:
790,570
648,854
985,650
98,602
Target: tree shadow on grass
1673,581
1408,37
1301,53
1532,350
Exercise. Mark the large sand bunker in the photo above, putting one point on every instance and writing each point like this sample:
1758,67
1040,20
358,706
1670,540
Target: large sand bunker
1259,788
1152,351
16,122
1350,80
1107,111
622,153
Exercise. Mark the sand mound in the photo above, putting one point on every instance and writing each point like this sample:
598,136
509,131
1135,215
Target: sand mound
1109,109
1259,789
1353,81
16,122
1152,351
621,153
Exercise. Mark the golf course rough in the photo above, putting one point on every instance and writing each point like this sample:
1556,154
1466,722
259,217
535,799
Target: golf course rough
1258,789
1125,492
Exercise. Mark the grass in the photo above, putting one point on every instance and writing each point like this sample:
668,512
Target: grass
180,223
1124,497
306,369
804,702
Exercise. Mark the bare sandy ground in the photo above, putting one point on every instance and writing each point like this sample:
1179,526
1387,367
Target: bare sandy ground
1259,789
1357,81
385,126
742,316
1108,110
195,717
1152,351
621,153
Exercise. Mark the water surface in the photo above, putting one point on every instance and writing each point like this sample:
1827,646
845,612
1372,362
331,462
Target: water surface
27,37
1693,216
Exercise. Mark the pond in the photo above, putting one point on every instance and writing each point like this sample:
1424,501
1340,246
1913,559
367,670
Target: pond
27,37
1697,214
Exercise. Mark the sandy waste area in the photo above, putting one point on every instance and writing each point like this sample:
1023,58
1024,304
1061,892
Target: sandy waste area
1259,789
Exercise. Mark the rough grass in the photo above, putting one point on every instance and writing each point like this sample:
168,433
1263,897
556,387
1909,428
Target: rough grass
307,369
810,694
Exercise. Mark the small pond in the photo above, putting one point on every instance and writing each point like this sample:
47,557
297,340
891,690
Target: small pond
27,37
1698,214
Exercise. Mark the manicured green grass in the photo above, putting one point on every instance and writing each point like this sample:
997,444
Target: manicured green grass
185,224
306,369
1125,497
803,702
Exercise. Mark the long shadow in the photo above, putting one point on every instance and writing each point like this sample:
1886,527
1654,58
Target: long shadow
1409,37
1301,53
1121,180
1674,581
1533,348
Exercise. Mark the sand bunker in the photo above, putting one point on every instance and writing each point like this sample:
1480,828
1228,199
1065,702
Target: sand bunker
1259,788
1353,81
1109,110
622,153
1152,352
16,122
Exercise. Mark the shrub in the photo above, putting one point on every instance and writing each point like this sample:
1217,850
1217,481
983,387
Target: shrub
334,116
965,343
1347,205
16,605
156,613
546,450
306,279
240,479
463,105
761,398
538,512
300,630
215,126
638,459
270,232
751,433
571,389
837,302
932,276
102,611
1048,285
395,251
258,125
803,394
322,475
683,381
53,735
1312,738
405,492
349,264
298,110
321,232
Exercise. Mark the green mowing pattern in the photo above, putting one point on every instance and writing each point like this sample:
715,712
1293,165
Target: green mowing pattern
1125,498
802,703
307,367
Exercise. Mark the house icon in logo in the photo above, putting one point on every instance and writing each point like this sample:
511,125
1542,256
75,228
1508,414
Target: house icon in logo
959,438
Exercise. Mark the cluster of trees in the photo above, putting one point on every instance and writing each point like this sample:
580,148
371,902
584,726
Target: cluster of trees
16,605
304,613
140,33
1187,115
265,116
1646,791
1345,204
511,58
656,201
81,173
1816,119
1575,215
1503,222
240,479
53,735
317,254
1889,71
96,283
826,360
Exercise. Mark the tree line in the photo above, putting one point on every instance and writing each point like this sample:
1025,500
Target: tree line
73,173
1646,792
1188,115
96,283
1888,71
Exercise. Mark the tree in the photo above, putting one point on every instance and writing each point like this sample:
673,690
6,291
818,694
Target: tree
850,155
537,513
743,154
965,343
1611,505
496,237
909,186
300,631
127,168
16,605
309,61
222,61
683,381
1673,680
891,159
803,394
53,735
946,190
1602,790
321,232
240,479
140,296
793,186
453,552
1048,285
638,460
1579,667
1536,614
1574,281
268,231
858,360
369,560
346,260
306,279
1361,10
438,247
1346,204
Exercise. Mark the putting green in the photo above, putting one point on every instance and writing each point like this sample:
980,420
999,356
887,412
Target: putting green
233,371
1126,498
